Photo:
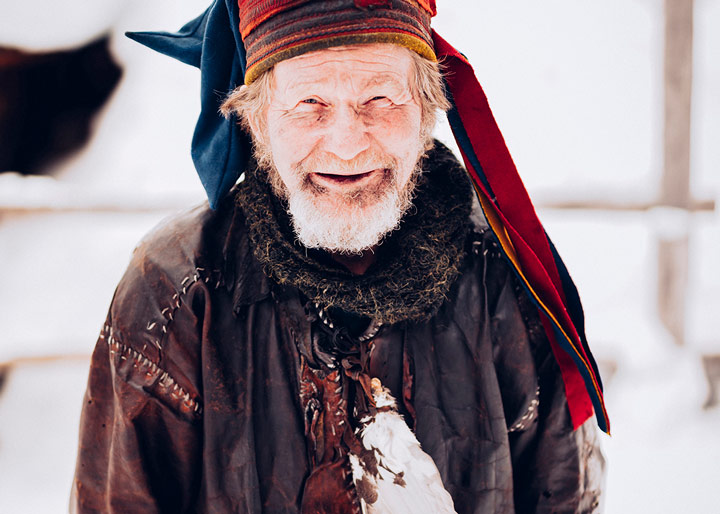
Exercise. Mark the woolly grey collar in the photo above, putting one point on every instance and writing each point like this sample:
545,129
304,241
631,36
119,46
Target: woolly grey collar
416,265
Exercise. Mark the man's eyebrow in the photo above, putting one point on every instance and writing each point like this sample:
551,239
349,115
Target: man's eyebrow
299,85
381,79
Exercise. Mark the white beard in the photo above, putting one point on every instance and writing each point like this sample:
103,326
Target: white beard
350,223
362,219
353,226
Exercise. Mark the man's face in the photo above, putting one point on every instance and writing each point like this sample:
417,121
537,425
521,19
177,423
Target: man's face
344,131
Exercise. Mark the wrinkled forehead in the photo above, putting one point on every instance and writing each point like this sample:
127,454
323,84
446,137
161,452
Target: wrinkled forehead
357,67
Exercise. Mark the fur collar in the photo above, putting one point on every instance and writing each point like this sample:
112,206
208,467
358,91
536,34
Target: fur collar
416,264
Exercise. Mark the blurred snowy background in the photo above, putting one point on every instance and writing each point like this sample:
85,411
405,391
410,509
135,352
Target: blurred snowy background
579,90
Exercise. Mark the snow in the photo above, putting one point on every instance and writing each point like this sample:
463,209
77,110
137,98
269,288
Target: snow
664,453
37,450
576,87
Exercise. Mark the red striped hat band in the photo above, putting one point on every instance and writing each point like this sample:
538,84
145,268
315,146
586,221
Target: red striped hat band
273,31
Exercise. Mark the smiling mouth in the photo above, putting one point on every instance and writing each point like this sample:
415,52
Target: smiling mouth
345,179
344,183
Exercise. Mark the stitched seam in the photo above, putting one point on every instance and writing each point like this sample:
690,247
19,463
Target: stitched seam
152,370
529,415
168,313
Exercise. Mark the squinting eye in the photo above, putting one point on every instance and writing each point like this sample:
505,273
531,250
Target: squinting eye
379,101
310,101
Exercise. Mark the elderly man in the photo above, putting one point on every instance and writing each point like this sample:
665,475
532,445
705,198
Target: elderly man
360,324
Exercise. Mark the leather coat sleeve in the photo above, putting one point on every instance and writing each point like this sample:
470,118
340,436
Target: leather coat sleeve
555,469
140,434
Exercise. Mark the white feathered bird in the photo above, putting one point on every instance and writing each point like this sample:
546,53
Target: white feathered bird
394,475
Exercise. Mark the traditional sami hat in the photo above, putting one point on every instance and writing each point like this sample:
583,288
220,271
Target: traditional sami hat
234,41
275,31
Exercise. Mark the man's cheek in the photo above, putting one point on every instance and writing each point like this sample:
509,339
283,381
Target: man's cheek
402,124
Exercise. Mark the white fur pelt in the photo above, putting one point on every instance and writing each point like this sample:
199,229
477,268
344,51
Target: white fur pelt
394,475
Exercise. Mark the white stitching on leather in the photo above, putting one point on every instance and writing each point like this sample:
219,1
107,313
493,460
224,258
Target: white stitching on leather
164,379
530,414
168,313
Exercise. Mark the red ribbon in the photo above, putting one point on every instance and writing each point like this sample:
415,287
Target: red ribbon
512,206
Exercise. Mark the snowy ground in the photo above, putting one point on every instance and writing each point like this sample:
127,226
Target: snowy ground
576,87
37,449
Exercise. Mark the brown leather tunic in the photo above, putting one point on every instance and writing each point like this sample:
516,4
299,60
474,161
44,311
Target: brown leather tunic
194,397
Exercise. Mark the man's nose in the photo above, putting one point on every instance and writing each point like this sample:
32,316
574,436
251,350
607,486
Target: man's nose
347,133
